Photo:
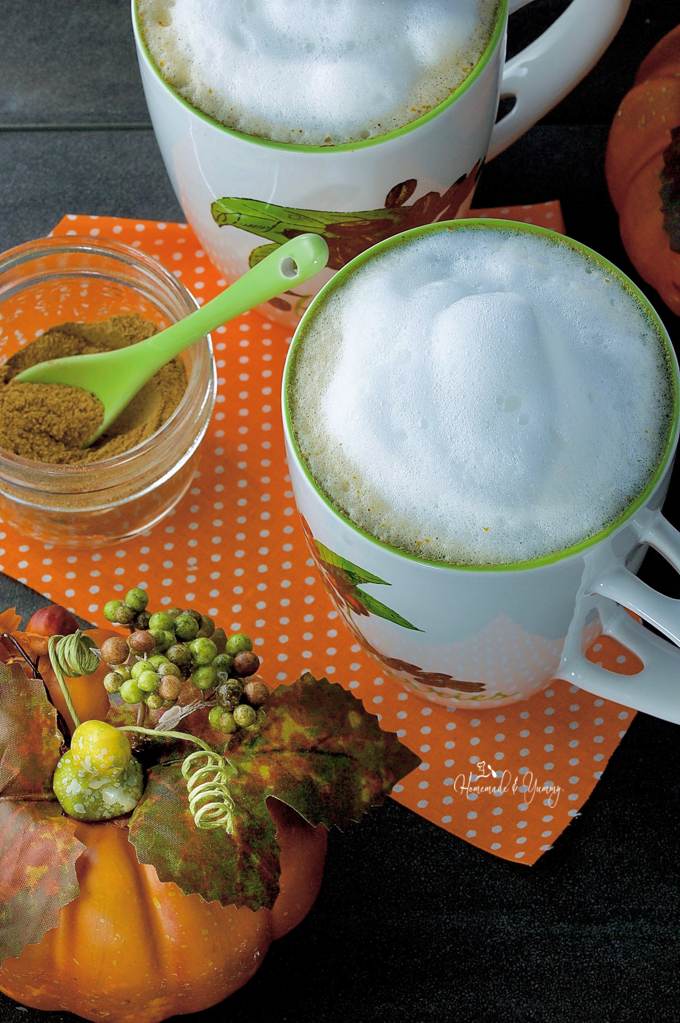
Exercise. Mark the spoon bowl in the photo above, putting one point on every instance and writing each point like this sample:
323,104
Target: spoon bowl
115,377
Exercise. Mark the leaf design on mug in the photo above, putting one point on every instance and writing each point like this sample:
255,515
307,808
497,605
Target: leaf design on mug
347,233
344,578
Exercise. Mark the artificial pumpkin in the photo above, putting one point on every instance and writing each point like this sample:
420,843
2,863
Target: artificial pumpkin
152,916
133,949
643,169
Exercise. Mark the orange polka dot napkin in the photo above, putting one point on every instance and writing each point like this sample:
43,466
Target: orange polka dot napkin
507,781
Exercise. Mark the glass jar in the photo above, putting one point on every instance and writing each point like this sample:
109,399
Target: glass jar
55,280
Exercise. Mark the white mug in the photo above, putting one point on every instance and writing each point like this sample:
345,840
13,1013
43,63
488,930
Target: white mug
242,194
483,637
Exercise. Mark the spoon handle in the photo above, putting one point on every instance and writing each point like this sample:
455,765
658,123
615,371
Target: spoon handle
289,266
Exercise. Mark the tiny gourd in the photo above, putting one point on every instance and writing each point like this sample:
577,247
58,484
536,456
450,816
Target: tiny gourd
133,949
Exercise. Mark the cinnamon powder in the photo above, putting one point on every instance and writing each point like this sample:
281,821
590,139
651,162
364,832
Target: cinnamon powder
51,422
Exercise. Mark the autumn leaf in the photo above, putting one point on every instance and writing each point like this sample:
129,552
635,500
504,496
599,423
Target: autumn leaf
319,751
240,869
38,854
9,620
30,741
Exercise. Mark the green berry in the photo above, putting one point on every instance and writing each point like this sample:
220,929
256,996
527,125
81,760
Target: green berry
137,599
163,638
179,654
204,677
222,720
149,681
203,651
137,668
214,716
154,701
219,638
238,642
157,661
125,615
223,662
161,620
244,716
130,691
169,670
112,682
174,612
186,626
123,671
111,609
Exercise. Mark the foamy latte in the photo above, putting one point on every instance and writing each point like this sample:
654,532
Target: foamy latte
316,71
481,396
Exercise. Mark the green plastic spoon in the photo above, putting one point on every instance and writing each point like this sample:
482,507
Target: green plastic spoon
115,377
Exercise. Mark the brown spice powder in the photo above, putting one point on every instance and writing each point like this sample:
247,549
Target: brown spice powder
50,422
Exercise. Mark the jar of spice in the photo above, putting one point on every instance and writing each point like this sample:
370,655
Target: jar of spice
58,280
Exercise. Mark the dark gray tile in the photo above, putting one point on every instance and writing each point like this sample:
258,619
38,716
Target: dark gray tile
68,62
119,173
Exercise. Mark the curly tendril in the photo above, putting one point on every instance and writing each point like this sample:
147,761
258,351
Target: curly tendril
207,777
207,781
74,656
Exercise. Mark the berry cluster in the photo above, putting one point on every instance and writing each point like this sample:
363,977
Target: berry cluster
166,650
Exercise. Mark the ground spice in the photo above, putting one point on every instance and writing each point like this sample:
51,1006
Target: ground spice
50,422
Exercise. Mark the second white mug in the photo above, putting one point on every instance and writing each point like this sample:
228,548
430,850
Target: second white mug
244,195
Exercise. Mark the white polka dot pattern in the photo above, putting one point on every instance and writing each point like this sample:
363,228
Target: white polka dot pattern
234,547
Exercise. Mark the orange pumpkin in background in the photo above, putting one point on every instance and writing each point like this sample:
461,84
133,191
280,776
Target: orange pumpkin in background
643,169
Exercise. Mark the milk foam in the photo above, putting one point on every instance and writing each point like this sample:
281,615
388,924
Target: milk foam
481,397
316,71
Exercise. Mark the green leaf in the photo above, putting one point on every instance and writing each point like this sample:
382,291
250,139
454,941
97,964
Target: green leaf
359,575
240,869
30,741
38,854
320,752
670,190
261,252
375,607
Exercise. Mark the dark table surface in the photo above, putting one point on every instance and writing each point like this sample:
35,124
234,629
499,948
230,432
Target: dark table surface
410,923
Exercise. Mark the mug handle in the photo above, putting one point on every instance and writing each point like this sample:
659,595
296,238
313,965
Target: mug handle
656,688
545,71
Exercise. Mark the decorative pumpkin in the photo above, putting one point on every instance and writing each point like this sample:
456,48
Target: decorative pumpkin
171,909
132,949
643,169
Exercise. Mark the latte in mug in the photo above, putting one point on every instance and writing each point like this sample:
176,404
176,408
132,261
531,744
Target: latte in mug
481,397
316,72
